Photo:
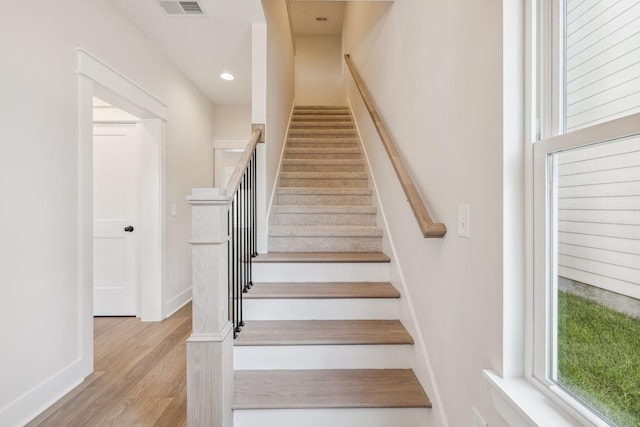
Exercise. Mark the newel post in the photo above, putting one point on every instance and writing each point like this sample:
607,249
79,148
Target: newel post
210,346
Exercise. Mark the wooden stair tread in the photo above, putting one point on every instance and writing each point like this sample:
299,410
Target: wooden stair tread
294,257
328,388
318,290
323,332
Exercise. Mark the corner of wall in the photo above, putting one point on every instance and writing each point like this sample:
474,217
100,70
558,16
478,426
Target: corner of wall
30,404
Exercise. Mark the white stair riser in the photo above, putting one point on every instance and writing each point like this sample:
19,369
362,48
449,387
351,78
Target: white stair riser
323,219
325,199
324,244
320,272
357,417
323,357
321,309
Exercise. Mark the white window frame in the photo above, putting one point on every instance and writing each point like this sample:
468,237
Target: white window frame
547,111
521,392
544,283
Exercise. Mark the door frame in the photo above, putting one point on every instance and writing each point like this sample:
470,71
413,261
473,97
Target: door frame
97,78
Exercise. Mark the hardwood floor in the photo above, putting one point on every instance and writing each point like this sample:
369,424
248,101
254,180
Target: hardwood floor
139,378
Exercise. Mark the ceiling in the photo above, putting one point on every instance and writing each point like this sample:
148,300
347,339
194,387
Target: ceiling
202,47
308,17
205,46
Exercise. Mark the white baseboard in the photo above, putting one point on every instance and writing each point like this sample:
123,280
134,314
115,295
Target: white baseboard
34,401
177,302
263,242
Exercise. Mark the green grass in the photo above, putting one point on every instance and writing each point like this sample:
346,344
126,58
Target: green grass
599,357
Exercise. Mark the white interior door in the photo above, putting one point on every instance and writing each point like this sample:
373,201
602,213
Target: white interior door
115,199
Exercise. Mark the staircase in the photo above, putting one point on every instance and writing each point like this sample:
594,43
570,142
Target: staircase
324,201
322,344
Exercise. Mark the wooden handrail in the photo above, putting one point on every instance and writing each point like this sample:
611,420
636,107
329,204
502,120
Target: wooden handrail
236,177
427,226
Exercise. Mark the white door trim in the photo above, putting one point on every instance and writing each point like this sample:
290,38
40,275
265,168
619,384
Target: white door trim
96,78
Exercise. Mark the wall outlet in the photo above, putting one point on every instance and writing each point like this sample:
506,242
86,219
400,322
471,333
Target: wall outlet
464,221
478,421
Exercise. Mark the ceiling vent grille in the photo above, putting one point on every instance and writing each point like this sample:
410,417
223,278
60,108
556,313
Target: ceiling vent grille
181,8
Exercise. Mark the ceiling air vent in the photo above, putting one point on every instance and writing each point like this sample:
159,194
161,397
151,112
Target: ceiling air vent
181,8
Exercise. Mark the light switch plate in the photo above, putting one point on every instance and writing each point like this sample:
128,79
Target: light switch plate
464,221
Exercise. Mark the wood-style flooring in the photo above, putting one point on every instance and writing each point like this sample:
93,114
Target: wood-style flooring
139,377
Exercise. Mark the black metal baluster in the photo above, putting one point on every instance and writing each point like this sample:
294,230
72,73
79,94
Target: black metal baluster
241,289
245,213
251,213
229,269
238,283
254,167
243,241
234,262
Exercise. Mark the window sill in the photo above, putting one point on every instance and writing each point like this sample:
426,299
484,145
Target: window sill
521,404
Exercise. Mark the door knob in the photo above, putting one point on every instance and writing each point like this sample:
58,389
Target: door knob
128,228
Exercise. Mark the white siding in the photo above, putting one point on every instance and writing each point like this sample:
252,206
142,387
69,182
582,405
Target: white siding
599,215
602,60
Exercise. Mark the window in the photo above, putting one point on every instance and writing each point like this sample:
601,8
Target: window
586,202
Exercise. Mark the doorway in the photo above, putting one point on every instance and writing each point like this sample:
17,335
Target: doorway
96,79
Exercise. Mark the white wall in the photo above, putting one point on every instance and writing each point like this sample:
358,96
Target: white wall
39,308
435,73
318,69
232,121
280,86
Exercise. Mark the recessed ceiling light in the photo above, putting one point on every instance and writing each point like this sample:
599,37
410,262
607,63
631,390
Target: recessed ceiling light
227,76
